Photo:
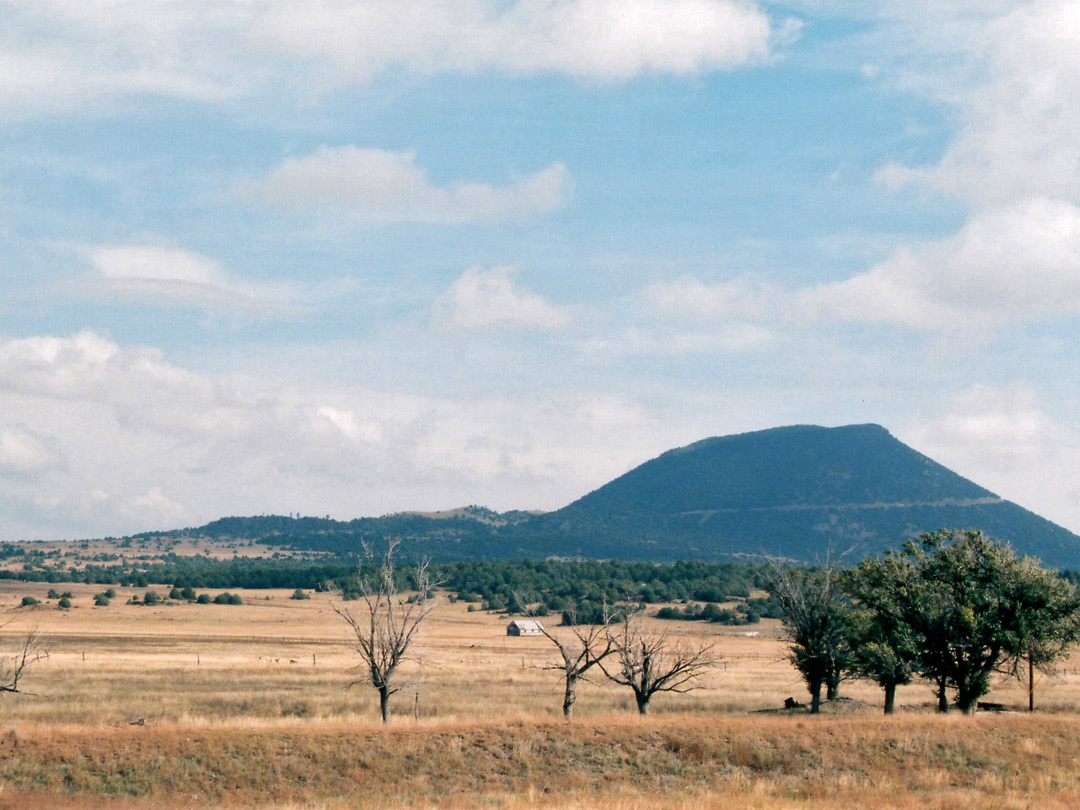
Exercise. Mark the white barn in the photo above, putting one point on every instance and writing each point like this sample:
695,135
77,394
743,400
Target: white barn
524,627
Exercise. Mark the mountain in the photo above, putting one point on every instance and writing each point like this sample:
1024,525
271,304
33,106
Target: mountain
800,492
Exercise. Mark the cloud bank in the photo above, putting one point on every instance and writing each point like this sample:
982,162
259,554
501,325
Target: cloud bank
111,439
58,56
374,185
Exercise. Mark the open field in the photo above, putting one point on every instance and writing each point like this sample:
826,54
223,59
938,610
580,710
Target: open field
173,704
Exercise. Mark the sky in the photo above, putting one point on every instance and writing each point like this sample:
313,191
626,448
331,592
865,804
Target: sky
352,258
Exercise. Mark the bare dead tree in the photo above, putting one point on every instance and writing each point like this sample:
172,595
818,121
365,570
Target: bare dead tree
650,662
14,665
386,625
591,645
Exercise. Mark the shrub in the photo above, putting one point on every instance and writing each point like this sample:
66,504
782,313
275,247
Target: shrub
299,594
29,601
110,593
188,594
151,598
203,599
175,594
64,602
228,599
101,600
52,594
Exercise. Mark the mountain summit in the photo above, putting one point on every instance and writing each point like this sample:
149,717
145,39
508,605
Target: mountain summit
801,492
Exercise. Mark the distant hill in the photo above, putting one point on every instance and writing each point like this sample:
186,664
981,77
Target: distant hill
801,492
797,492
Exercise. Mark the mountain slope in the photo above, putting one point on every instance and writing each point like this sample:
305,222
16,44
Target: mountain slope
801,492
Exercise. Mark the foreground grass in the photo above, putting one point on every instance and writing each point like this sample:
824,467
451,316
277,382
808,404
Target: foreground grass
674,761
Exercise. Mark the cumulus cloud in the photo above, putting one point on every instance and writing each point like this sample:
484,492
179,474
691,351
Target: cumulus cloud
1018,122
613,39
174,277
57,55
150,444
489,299
24,454
1015,262
1002,438
374,185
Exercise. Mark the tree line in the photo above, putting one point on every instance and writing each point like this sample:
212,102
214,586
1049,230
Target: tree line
953,608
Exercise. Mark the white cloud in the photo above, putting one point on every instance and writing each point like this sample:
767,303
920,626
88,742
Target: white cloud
149,444
489,299
1019,119
688,299
173,277
373,185
612,39
1003,439
24,454
1017,262
57,55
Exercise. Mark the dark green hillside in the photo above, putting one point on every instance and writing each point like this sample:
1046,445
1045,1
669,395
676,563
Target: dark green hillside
784,467
798,492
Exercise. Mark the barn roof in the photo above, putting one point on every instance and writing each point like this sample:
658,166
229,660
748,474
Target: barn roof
527,624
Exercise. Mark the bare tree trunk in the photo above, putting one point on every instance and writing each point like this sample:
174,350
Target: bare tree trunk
1031,683
815,697
569,697
942,698
890,697
642,703
384,703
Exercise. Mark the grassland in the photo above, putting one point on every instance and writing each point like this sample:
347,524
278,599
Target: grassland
185,705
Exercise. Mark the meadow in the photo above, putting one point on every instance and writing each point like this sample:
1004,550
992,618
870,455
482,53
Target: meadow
188,705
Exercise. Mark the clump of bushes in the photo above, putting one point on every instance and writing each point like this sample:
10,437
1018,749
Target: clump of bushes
102,599
228,599
29,601
300,594
712,612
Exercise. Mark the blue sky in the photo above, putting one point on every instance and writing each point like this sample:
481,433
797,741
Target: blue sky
350,258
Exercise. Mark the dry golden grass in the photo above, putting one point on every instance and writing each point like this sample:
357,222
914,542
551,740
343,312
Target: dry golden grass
248,706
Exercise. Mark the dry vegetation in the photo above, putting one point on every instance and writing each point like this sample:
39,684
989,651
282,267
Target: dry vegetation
247,706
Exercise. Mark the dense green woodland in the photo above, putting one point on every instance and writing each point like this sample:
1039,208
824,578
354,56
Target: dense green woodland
545,587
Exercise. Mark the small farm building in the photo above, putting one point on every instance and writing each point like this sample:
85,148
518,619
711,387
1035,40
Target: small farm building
524,627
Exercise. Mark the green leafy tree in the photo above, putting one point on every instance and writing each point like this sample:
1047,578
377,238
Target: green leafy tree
883,645
1047,622
815,613
975,610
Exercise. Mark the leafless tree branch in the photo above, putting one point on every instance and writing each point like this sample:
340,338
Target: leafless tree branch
385,626
591,645
650,662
